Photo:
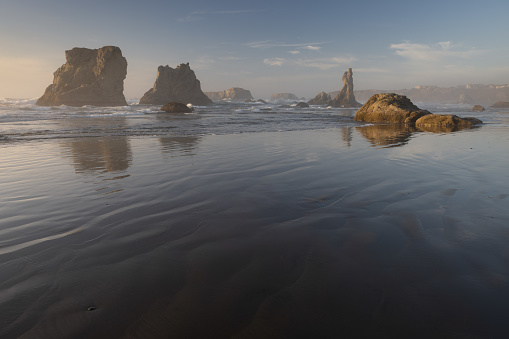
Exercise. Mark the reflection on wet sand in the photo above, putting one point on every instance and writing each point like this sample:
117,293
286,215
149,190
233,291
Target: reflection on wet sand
108,154
387,135
184,145
347,135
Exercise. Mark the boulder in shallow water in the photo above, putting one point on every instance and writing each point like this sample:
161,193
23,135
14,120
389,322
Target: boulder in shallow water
389,108
446,120
478,108
302,105
176,107
89,77
175,85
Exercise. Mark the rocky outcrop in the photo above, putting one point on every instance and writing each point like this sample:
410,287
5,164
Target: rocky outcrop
389,108
346,97
175,85
321,99
501,104
445,120
176,107
478,108
283,97
234,93
89,77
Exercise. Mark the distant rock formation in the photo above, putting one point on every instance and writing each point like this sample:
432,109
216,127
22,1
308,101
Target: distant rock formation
389,107
175,85
344,98
501,104
478,108
176,107
468,94
283,96
321,99
89,77
234,93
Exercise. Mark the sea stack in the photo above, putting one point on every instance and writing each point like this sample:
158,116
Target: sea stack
345,97
175,85
320,99
89,77
234,93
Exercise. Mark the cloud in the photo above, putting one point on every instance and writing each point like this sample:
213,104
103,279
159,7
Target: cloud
195,16
274,61
432,53
271,44
325,63
294,52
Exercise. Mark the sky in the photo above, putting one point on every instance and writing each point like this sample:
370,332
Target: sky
300,47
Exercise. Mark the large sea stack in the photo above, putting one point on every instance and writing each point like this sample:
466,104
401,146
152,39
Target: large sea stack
175,85
89,77
345,97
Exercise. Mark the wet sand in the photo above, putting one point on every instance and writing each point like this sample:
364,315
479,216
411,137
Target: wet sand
304,234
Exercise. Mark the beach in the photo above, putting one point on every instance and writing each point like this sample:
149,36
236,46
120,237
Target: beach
251,221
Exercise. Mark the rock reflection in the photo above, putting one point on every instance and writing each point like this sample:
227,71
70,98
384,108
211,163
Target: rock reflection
184,145
347,135
443,129
100,154
387,135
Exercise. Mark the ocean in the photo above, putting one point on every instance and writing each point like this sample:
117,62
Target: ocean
250,220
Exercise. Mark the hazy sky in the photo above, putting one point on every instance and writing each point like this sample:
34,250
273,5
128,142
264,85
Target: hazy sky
302,47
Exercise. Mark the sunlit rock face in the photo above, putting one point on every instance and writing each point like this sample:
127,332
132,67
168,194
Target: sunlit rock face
345,97
89,77
175,85
234,93
389,108
445,123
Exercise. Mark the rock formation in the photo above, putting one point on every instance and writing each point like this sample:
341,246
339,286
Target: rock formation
302,105
389,107
176,107
234,93
321,99
501,104
283,96
89,77
478,108
345,97
175,85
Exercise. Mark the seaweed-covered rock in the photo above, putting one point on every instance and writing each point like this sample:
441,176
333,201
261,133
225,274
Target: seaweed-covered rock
176,107
389,108
302,105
